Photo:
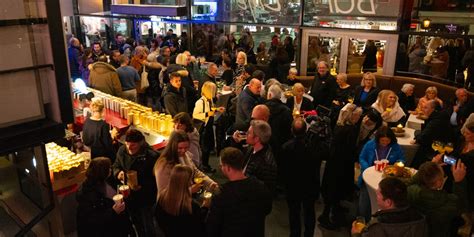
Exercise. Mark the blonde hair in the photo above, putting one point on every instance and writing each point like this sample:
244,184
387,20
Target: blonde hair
243,55
176,197
208,90
383,96
182,59
297,86
342,76
368,75
96,105
431,89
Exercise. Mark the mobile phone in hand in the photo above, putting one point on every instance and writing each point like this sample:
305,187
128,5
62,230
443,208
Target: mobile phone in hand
449,160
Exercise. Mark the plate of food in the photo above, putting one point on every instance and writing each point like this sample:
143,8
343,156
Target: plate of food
403,173
399,132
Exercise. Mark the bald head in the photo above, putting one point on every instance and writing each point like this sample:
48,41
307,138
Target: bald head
255,86
299,127
261,112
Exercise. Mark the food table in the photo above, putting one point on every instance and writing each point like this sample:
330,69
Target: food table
414,122
372,179
408,148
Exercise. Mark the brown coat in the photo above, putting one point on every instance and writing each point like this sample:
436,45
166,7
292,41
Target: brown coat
104,77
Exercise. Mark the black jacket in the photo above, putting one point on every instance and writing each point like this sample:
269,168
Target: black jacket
239,209
400,222
280,121
371,97
262,166
323,90
96,135
435,128
143,163
300,168
306,105
95,216
175,101
182,225
406,102
245,103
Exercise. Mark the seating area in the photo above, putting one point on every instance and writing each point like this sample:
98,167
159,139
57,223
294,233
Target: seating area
395,83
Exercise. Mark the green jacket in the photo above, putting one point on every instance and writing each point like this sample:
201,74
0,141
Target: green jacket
440,207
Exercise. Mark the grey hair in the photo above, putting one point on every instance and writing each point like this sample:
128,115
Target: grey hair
407,86
274,92
346,113
262,130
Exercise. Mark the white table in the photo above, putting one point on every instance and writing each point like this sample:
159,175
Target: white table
372,179
408,148
414,122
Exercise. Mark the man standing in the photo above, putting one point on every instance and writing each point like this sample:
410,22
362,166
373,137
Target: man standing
324,86
280,119
241,206
436,128
74,52
136,155
395,217
259,161
175,96
128,77
248,99
115,58
104,77
300,170
96,51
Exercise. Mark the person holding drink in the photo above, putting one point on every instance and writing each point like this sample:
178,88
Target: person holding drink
100,212
133,167
176,152
204,111
383,147
395,217
176,213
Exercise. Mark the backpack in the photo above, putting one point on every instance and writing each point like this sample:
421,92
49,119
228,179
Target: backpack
319,134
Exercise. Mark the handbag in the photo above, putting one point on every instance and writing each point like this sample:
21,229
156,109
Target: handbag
144,83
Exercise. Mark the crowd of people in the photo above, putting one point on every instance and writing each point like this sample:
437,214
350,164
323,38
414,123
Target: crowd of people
268,145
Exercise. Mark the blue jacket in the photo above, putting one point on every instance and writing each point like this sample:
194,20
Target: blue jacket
367,156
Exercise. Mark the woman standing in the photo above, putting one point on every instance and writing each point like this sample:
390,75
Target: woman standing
176,213
96,134
97,214
204,112
176,152
183,122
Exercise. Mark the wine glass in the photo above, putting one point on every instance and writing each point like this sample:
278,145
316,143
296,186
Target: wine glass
449,147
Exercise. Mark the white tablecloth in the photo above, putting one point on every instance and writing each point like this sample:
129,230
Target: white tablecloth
372,179
408,149
414,122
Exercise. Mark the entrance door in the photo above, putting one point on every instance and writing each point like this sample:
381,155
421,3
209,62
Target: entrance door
349,52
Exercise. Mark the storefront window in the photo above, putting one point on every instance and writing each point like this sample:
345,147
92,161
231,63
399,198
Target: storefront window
278,12
326,49
365,55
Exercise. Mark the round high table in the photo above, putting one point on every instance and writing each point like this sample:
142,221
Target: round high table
372,179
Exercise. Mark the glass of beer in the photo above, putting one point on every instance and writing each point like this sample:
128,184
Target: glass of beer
132,179
359,224
449,147
124,190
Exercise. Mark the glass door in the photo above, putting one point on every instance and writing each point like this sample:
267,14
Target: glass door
348,51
